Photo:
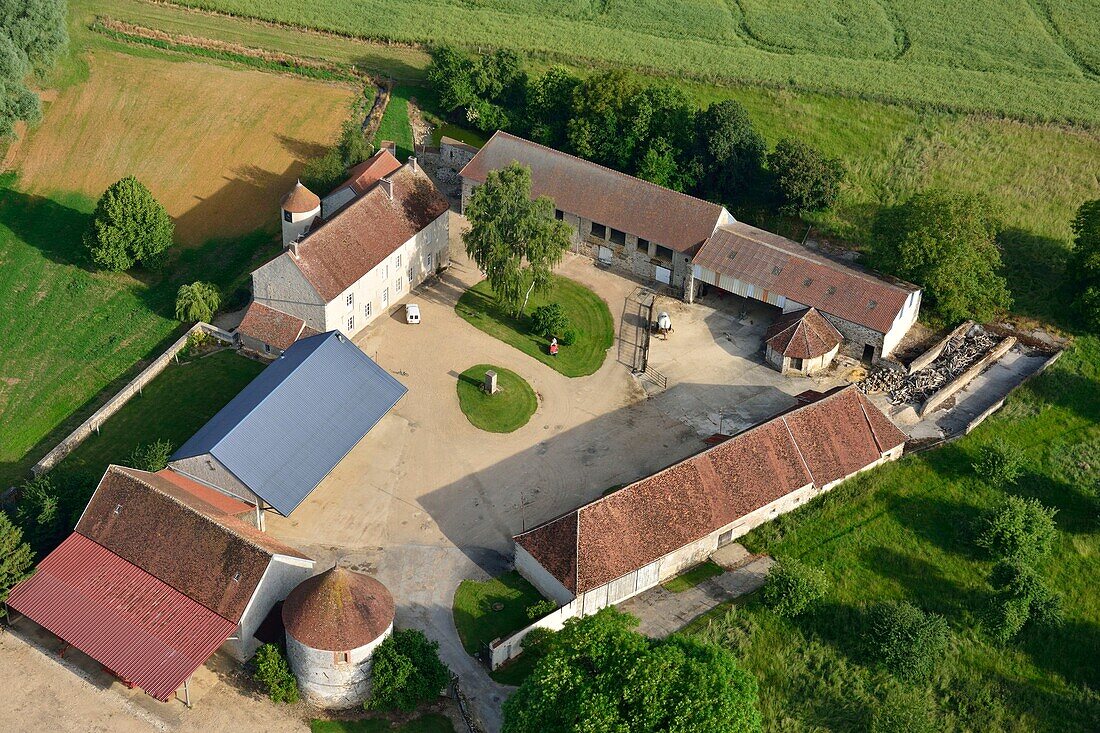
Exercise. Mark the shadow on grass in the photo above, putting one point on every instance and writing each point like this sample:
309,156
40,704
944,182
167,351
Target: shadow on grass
1035,269
948,524
53,228
1071,650
924,583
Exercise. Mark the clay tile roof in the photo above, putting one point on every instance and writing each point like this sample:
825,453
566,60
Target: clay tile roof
349,245
338,610
179,538
371,171
811,445
802,334
300,200
601,194
787,268
200,497
272,326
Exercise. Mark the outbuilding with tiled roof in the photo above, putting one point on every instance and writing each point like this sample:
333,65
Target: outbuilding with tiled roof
801,342
334,621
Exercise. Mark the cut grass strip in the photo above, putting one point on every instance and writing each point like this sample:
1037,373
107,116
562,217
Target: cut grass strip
476,619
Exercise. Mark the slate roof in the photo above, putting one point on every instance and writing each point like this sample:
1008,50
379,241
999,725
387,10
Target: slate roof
179,538
273,327
630,528
285,431
128,620
782,266
338,610
601,194
802,334
346,246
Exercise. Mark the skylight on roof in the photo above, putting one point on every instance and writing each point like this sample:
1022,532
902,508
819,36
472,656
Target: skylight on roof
830,290
871,304
732,254
807,281
777,269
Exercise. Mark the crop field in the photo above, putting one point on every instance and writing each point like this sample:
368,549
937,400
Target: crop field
1032,59
217,146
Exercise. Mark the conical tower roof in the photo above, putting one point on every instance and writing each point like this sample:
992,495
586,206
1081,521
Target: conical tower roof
300,200
338,610
803,334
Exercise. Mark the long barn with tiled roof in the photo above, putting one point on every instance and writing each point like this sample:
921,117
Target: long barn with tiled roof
651,530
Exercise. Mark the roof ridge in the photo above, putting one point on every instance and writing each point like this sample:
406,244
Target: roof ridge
798,448
870,426
601,166
210,520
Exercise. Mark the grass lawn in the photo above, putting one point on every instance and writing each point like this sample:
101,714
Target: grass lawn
903,532
71,336
509,409
588,315
516,670
475,618
453,131
693,577
431,723
395,121
178,402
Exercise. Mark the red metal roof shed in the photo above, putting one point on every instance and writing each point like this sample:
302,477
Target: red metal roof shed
135,625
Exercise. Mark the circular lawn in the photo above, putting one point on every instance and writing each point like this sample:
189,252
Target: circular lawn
509,409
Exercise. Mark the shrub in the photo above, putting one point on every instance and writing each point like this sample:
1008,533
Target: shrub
904,711
568,337
406,672
541,608
198,301
272,671
321,175
151,456
804,178
906,640
1019,529
792,588
16,557
1021,598
129,226
549,320
999,463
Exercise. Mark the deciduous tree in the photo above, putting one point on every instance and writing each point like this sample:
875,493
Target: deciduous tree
792,587
598,674
946,243
198,301
515,241
731,151
1085,263
32,35
129,226
908,641
406,671
1018,529
804,178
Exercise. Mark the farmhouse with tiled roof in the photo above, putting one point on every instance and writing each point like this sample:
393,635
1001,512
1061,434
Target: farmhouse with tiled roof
159,573
651,530
348,256
677,240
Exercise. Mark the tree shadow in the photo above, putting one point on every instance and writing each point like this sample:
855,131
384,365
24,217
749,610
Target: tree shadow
1077,510
924,583
1071,390
49,226
950,525
1070,650
1035,268
302,150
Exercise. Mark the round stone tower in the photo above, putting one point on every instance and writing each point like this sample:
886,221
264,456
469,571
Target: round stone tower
334,621
299,207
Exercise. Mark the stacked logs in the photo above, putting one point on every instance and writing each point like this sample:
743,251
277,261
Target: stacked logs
959,354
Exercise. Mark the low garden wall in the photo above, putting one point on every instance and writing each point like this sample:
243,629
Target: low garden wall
502,650
113,405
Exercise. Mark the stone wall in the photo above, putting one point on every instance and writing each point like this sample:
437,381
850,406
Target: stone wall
329,683
78,436
454,153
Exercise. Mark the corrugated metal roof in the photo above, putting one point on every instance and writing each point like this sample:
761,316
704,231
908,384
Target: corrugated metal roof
140,628
293,423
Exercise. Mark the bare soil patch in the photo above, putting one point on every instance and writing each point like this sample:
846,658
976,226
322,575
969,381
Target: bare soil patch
217,146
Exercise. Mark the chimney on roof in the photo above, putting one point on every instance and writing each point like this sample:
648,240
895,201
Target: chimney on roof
412,163
389,146
387,186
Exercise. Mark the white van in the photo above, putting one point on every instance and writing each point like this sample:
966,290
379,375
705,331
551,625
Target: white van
412,313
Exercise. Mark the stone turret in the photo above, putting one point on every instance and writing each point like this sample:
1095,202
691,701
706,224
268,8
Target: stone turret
299,208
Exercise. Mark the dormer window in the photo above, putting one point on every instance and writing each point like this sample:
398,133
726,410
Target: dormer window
118,509
807,282
236,577
830,290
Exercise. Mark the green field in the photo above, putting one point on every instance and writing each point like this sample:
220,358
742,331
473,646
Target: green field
1030,59
478,622
588,316
508,409
69,336
431,723
172,407
904,532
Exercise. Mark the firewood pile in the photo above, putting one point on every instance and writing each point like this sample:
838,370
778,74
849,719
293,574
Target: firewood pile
958,356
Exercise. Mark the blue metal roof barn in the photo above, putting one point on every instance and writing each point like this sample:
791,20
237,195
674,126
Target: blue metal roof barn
293,423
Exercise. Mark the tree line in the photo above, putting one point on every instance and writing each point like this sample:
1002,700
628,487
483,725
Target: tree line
32,36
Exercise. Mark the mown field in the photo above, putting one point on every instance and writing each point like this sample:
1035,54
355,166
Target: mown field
905,532
1019,58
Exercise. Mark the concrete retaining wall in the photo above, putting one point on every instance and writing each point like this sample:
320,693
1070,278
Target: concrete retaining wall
78,436
1000,403
963,379
932,354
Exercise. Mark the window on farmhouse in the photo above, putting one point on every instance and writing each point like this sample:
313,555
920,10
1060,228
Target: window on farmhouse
559,214
366,310
287,216
351,323
385,296
351,299
618,237
796,364
397,263
400,284
341,657
428,262
643,245
664,253
599,231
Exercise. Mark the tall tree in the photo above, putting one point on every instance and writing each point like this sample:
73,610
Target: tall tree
514,239
598,674
16,557
32,34
662,124
804,178
129,226
730,149
549,101
1086,262
600,126
946,243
